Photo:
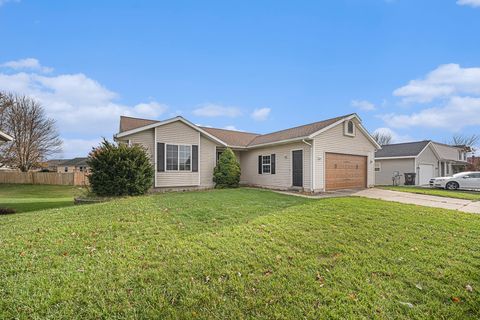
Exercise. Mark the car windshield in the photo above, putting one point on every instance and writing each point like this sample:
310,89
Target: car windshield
459,174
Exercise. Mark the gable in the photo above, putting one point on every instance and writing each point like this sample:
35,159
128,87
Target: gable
336,136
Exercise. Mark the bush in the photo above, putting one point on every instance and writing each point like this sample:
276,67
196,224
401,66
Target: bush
227,172
7,211
119,170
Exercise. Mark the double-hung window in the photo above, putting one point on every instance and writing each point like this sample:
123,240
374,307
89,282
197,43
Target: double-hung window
266,164
179,157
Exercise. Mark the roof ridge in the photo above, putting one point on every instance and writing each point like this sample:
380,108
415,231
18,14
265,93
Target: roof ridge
410,142
140,118
308,124
236,131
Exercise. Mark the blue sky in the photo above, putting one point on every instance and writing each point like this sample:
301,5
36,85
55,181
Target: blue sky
410,67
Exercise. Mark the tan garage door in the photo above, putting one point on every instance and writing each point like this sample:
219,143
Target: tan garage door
345,171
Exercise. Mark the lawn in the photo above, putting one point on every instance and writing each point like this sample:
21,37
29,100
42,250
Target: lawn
236,254
459,194
25,197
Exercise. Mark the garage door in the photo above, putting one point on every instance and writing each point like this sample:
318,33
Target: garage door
343,171
426,172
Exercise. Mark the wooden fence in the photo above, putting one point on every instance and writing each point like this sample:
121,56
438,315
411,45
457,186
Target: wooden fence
66,179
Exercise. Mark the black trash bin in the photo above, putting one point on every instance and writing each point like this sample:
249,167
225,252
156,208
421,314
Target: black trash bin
410,178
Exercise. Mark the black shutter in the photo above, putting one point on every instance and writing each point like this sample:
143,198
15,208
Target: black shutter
259,164
160,157
272,161
194,158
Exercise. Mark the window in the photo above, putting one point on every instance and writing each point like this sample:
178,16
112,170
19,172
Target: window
66,169
81,169
378,166
349,128
184,158
266,164
172,157
179,157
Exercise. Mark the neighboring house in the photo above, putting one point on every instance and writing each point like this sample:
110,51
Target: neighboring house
73,165
5,137
328,155
427,159
53,164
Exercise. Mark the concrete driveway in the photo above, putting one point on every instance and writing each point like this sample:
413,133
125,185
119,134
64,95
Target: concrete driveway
421,200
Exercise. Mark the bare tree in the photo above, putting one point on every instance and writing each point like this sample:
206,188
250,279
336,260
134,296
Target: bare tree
382,138
469,141
35,136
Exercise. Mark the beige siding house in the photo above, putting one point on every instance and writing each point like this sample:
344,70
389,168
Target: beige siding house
333,154
426,159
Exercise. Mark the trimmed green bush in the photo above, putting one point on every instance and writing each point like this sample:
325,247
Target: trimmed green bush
227,172
119,170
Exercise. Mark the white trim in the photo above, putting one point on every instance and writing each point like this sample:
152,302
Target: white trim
198,160
156,159
360,126
314,178
393,158
6,136
178,157
270,164
276,142
161,123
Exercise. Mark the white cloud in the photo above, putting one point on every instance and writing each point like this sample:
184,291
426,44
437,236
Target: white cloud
396,137
26,64
231,127
472,3
2,2
363,105
81,106
445,81
216,110
261,114
457,113
78,147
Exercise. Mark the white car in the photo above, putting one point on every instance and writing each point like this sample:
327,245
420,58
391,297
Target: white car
463,180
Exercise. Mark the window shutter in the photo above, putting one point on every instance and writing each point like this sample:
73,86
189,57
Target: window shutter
194,158
259,164
272,162
160,157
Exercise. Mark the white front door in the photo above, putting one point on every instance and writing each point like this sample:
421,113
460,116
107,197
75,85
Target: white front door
426,172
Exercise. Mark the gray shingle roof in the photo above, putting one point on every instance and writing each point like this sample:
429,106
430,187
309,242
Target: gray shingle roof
74,162
409,149
244,139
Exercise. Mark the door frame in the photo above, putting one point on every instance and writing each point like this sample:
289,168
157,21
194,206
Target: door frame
420,171
291,168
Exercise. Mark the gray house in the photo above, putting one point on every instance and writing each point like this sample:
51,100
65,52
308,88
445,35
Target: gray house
427,159
332,154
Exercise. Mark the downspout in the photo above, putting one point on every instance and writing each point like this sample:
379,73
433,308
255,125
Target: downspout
312,166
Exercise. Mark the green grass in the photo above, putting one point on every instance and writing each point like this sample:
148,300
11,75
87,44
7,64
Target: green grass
459,194
236,254
24,197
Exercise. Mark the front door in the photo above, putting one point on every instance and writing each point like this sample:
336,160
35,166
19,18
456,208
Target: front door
297,168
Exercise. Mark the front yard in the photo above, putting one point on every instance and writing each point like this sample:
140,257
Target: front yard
27,197
244,253
458,194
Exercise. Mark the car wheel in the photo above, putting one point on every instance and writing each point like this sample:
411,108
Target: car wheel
452,185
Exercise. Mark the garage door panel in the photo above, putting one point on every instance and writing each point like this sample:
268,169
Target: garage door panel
343,171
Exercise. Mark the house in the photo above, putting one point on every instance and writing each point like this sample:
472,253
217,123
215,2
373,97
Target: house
53,165
427,159
73,165
333,154
5,137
